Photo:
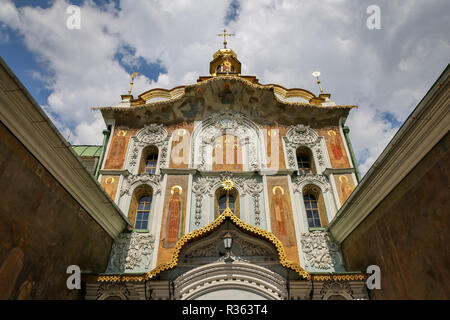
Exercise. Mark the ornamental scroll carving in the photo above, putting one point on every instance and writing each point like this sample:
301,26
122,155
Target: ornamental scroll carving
137,179
208,185
222,123
301,135
336,288
310,178
250,249
113,289
152,134
130,251
319,249
244,247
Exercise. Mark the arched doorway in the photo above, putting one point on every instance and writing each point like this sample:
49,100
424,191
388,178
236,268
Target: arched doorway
237,280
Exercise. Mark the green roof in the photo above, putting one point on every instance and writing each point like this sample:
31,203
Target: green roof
88,151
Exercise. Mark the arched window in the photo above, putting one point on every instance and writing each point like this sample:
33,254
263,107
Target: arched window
316,212
151,163
143,212
305,161
221,201
312,211
140,207
149,160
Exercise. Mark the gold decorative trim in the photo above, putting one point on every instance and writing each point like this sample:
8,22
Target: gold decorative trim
121,278
196,234
339,277
239,223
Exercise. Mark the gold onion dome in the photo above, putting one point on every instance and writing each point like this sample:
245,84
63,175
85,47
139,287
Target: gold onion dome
225,62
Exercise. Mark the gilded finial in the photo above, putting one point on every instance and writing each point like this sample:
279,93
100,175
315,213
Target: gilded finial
228,184
317,74
225,34
133,75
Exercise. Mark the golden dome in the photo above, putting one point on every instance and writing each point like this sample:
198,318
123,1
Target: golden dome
225,62
224,52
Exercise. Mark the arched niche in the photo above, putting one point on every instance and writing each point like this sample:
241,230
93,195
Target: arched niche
149,160
227,153
304,136
151,135
226,123
305,160
139,192
320,182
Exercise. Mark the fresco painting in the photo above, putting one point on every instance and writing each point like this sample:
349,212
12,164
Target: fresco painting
118,148
281,217
227,154
274,146
345,186
174,216
335,146
181,143
109,183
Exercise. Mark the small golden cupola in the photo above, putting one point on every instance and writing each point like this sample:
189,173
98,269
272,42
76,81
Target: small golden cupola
225,61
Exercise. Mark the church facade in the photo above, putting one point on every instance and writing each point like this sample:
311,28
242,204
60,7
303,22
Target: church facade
229,186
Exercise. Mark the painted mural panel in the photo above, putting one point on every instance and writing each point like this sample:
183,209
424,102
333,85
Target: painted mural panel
274,146
345,186
281,217
109,183
181,143
227,154
335,146
118,148
174,216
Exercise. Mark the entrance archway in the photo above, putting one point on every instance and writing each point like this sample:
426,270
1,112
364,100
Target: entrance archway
230,281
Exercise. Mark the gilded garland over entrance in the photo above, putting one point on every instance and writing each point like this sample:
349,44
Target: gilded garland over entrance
196,234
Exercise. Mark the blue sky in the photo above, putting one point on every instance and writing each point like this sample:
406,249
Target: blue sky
385,72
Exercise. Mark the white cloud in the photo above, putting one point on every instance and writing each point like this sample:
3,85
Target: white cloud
385,70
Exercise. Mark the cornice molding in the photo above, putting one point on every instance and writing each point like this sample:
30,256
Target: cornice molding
20,113
119,172
178,171
424,128
329,171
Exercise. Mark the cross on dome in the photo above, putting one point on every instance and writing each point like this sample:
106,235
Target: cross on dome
225,34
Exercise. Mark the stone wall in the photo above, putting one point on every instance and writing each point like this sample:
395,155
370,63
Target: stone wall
43,229
407,235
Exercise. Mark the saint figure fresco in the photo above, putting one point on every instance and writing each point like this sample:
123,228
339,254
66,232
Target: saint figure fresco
174,219
227,153
335,144
117,152
346,188
280,211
